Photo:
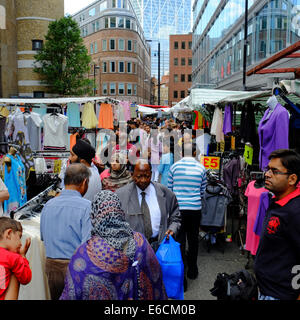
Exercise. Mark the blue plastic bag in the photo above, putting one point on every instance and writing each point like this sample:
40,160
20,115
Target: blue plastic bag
170,260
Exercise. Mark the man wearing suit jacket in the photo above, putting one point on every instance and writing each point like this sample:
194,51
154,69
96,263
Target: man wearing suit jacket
162,204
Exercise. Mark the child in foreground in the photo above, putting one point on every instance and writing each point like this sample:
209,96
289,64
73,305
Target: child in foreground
12,255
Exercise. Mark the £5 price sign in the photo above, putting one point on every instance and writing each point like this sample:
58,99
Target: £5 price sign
211,162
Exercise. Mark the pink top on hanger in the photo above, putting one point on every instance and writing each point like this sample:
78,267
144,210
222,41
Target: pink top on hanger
253,195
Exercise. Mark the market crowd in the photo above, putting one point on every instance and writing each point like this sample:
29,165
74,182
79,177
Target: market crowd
115,209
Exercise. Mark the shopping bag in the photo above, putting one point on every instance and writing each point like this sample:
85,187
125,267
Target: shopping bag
170,260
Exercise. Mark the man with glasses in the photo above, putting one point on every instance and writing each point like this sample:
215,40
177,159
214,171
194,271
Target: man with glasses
279,247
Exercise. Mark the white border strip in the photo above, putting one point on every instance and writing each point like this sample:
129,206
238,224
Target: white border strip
35,18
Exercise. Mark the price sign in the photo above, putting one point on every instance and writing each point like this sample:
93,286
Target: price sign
211,162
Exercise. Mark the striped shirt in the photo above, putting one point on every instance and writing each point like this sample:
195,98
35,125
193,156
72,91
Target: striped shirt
187,179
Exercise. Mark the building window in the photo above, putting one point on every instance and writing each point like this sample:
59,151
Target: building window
183,61
121,23
95,47
112,88
175,77
190,61
112,66
92,12
129,89
92,48
190,45
106,23
129,45
182,94
104,88
121,66
37,44
189,78
103,5
113,22
104,45
175,45
129,67
175,61
182,78
183,45
112,44
104,67
135,46
121,44
134,89
127,23
113,3
121,88
38,94
175,94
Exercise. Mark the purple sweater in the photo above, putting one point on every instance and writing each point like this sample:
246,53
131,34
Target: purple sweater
273,133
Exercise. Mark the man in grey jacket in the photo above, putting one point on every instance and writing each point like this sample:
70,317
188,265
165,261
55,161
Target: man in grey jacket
143,197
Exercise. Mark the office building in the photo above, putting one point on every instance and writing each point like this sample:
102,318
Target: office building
180,67
218,40
119,51
159,19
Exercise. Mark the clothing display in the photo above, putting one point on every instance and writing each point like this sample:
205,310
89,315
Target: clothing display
214,205
273,130
231,173
102,141
253,194
106,117
248,128
202,143
73,114
227,124
88,116
2,188
217,125
15,182
125,106
55,132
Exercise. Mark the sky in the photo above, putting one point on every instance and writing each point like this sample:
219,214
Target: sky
73,6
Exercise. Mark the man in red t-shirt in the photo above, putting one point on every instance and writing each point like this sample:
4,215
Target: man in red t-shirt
12,254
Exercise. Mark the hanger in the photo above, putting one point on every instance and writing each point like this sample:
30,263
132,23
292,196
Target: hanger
279,92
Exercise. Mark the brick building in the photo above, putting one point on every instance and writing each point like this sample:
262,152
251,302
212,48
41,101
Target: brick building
120,54
180,67
24,24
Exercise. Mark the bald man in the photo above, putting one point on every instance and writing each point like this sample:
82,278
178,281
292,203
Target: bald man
161,202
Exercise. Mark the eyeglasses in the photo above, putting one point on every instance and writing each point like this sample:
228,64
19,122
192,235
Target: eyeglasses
276,172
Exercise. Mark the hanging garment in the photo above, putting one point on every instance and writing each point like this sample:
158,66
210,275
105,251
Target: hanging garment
33,123
3,139
195,119
125,105
214,205
55,132
4,112
106,117
273,131
133,113
202,143
217,125
248,125
16,185
227,124
264,202
40,109
73,114
88,116
102,141
231,173
253,194
73,140
200,120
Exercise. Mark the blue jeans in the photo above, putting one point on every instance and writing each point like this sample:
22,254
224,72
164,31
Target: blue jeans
266,298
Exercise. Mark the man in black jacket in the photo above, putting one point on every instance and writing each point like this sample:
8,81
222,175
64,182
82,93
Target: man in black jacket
278,253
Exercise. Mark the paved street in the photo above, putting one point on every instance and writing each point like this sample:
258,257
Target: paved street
209,265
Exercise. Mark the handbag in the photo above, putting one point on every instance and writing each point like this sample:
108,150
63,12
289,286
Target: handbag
170,260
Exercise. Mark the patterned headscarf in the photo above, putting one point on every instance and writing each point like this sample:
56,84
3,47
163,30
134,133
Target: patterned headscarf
108,222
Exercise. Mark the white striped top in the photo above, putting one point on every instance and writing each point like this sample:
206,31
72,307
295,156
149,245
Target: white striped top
187,179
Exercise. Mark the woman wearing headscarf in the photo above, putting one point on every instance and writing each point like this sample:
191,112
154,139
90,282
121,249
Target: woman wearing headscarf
116,263
119,175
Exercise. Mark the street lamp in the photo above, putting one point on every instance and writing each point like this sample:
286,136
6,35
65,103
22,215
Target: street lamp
158,84
95,68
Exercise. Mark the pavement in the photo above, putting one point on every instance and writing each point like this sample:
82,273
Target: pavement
210,264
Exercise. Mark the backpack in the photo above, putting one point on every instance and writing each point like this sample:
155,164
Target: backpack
240,285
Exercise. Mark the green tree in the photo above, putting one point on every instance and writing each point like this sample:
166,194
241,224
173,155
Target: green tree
63,62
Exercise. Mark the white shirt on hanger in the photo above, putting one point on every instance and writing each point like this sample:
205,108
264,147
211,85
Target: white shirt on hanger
55,130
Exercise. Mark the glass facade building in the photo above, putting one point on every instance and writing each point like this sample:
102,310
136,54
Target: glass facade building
159,19
218,37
